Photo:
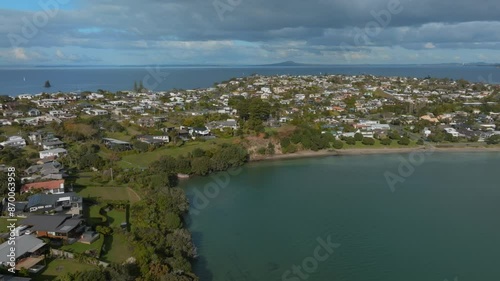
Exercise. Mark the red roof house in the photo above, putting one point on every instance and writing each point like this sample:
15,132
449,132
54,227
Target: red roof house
54,187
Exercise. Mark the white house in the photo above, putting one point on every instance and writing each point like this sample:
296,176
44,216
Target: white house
14,141
57,152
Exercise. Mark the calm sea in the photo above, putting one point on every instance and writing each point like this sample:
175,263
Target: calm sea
15,81
440,224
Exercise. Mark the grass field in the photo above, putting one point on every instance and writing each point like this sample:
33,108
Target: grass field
116,217
116,248
109,193
4,223
59,267
81,248
142,160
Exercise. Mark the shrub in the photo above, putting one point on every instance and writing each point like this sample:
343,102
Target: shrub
338,144
368,141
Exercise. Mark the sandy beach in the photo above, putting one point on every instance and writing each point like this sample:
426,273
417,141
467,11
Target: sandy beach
369,151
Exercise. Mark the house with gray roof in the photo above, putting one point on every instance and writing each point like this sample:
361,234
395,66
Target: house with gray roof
66,203
29,252
55,226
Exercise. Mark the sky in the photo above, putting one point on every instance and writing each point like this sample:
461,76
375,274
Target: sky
242,32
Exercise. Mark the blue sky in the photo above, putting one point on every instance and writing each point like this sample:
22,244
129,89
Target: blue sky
117,32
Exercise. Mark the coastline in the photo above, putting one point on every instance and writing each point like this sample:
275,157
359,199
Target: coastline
370,151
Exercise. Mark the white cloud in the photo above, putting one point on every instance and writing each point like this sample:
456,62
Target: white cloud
429,45
20,54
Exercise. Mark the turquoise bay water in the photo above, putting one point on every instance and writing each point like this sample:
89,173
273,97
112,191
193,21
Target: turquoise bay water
441,223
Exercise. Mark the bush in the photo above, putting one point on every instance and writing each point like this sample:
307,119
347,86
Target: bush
420,142
368,141
338,144
350,141
495,139
358,137
404,141
386,141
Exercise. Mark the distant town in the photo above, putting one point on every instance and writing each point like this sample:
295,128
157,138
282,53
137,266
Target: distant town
87,164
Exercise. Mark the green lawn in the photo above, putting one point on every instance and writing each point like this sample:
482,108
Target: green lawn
116,217
116,248
119,136
108,193
59,267
81,248
144,159
4,223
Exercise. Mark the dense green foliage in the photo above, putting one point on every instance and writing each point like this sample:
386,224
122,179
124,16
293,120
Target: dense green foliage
495,139
308,138
163,248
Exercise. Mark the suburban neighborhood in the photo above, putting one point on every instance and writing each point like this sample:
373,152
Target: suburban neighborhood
79,156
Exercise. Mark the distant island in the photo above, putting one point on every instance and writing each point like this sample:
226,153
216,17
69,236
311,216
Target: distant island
47,84
291,63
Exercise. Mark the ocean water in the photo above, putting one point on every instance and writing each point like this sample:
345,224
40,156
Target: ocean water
15,81
439,223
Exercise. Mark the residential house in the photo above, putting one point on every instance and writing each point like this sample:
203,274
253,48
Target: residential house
52,144
48,170
97,112
34,112
149,139
53,187
117,144
5,122
199,131
55,226
57,152
220,125
67,203
14,141
146,122
30,251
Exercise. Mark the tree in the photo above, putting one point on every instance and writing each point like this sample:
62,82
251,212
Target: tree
338,144
404,141
495,139
104,230
358,137
368,141
386,141
200,166
350,141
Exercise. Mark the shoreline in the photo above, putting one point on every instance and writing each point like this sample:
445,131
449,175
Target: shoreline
369,151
